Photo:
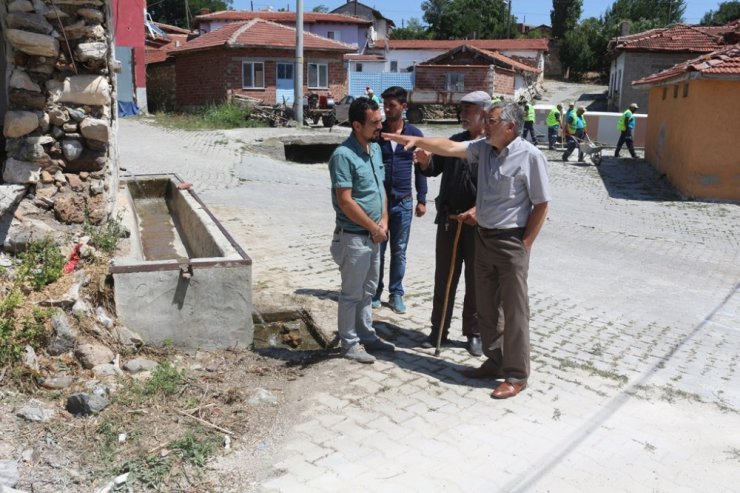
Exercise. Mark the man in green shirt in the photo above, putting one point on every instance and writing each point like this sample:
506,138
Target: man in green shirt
358,196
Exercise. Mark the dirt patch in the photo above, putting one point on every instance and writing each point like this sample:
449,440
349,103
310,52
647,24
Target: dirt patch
168,428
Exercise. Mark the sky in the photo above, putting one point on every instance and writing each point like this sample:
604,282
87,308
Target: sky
534,12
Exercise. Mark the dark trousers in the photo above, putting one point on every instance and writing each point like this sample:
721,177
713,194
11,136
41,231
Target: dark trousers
446,230
529,127
501,270
552,136
572,144
625,138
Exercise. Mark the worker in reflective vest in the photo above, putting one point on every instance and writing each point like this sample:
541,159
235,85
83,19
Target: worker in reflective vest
578,130
529,122
553,122
569,123
625,124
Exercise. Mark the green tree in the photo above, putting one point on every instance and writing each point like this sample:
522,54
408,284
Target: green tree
727,12
576,55
176,12
413,30
321,8
643,14
564,16
467,19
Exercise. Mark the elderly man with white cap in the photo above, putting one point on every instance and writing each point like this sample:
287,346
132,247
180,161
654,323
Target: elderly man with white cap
456,195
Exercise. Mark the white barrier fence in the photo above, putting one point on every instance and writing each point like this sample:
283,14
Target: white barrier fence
601,126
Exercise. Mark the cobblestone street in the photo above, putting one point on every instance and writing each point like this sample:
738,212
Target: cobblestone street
635,303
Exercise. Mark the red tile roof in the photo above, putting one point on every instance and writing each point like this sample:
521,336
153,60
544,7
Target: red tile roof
156,53
259,33
448,44
491,55
679,37
722,64
280,17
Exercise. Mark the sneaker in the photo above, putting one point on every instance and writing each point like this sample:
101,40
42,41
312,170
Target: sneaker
396,302
378,344
375,304
357,353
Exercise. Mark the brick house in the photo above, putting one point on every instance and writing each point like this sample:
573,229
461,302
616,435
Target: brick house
257,59
699,154
639,55
467,68
160,67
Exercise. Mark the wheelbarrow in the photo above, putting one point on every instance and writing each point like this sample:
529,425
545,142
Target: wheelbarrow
591,149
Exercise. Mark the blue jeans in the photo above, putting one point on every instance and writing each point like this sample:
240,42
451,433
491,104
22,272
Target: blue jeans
399,227
359,262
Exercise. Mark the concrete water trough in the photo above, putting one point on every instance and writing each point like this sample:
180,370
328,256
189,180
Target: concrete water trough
181,278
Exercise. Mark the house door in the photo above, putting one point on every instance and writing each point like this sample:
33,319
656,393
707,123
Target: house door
284,87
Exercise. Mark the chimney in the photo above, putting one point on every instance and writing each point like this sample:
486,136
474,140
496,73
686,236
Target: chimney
624,28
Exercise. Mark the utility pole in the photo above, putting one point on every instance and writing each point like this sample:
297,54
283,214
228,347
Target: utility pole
187,14
508,22
298,72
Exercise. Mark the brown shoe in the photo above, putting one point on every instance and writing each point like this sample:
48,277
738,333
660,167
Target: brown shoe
508,389
483,371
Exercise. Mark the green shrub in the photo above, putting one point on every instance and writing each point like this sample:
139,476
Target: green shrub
42,263
106,237
18,332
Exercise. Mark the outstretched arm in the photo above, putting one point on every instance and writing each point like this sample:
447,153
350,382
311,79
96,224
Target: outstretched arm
435,145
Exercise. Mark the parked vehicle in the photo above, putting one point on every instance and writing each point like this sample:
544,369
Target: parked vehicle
341,110
319,107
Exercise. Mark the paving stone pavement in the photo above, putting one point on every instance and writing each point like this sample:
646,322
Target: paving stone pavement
635,302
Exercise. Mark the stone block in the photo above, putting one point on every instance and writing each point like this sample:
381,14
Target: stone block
20,123
33,43
85,89
95,129
21,172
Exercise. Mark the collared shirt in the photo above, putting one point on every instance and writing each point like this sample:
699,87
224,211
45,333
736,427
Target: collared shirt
398,167
510,182
350,166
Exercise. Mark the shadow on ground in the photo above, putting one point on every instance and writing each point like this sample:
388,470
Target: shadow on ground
635,179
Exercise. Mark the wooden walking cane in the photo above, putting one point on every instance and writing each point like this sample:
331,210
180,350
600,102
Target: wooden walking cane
440,328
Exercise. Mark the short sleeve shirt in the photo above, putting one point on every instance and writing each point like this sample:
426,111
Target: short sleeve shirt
350,166
510,182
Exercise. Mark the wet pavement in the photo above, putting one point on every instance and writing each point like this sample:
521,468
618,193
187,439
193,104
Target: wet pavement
635,305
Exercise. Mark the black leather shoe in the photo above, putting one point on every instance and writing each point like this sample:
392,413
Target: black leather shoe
431,342
474,346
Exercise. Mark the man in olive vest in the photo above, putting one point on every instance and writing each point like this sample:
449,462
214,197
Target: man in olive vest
553,122
529,122
625,124
579,130
569,125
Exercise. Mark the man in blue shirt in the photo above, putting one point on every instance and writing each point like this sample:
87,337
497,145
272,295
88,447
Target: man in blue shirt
399,166
358,197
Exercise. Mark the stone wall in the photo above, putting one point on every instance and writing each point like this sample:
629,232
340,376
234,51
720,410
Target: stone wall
60,116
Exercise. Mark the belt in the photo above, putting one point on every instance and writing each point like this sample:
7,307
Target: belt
496,231
364,232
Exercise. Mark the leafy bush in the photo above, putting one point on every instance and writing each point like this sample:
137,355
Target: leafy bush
106,237
18,332
42,263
